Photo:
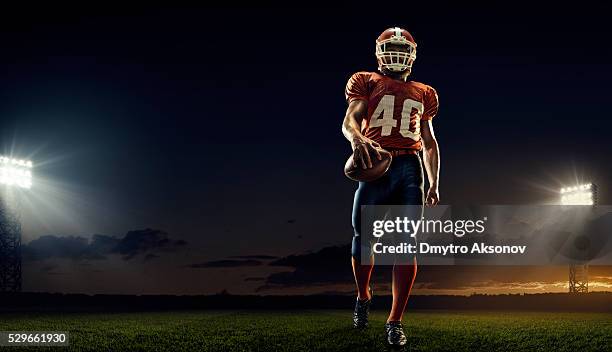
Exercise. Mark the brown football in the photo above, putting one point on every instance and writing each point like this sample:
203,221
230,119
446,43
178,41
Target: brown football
379,168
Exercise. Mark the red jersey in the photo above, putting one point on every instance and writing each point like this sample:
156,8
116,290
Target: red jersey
395,108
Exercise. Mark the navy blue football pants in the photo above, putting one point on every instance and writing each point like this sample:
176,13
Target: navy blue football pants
401,185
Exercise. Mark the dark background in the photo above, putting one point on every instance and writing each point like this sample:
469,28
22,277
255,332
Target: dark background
224,123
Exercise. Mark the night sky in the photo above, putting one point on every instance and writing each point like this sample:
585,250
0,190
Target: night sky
201,144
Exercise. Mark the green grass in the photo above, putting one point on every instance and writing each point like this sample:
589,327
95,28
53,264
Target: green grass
319,330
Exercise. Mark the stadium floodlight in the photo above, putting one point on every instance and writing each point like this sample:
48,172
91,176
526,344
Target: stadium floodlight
15,172
584,194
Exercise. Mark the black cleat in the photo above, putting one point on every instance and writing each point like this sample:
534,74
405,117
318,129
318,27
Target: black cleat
361,313
395,334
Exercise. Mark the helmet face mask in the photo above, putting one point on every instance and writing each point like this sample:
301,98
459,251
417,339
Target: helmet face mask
395,51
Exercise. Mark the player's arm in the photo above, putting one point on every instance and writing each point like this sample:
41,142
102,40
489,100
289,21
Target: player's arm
431,154
351,128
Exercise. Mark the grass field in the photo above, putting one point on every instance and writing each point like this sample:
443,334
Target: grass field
319,330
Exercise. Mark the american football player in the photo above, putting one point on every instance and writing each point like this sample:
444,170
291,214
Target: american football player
387,110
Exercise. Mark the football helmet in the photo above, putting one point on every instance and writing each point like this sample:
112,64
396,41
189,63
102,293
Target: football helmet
387,54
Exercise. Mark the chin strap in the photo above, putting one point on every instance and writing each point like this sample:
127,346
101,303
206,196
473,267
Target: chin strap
396,74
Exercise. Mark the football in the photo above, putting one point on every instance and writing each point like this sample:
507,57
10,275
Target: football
379,168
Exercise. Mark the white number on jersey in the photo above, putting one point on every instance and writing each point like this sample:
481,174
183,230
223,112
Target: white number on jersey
384,108
387,122
405,131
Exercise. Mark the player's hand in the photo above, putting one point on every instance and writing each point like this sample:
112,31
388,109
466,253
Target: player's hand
363,151
433,197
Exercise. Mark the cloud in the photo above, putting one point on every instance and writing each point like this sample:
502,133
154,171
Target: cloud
103,243
255,279
150,257
258,256
329,265
51,270
68,247
141,241
226,263
320,259
235,261
101,246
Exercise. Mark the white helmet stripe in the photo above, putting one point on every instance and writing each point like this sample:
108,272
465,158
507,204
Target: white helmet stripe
394,59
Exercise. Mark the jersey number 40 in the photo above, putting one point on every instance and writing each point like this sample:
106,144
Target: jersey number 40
383,117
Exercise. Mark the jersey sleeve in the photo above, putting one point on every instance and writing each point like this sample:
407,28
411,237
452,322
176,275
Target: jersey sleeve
431,104
357,87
